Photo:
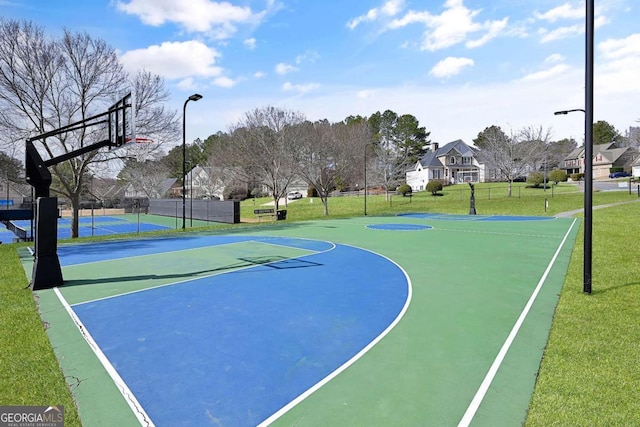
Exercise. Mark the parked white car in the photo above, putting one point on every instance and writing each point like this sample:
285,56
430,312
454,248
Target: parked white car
294,195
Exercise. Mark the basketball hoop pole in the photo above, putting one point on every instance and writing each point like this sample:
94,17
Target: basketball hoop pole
46,267
194,97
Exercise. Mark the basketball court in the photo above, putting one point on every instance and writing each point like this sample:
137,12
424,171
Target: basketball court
416,319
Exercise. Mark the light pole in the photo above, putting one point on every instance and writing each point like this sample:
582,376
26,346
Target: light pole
588,198
194,97
588,147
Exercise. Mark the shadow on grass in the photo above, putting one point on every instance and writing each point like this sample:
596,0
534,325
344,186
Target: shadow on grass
598,291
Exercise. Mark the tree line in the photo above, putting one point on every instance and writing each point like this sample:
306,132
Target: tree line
48,82
270,149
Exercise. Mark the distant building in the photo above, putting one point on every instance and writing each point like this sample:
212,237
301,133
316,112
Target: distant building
605,157
158,190
455,162
202,183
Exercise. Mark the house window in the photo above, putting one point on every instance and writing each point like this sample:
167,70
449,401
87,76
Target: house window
466,160
452,160
435,174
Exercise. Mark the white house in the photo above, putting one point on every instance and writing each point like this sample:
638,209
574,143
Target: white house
202,182
455,162
635,168
152,190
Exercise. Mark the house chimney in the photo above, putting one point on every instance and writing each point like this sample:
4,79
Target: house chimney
435,146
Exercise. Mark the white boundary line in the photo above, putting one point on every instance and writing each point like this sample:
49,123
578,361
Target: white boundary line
488,379
355,358
128,396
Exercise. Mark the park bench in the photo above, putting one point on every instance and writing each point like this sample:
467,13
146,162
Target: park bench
264,212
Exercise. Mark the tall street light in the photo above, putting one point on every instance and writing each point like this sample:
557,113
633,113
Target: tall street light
194,97
588,147
588,198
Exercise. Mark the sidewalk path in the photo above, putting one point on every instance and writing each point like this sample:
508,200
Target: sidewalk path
569,214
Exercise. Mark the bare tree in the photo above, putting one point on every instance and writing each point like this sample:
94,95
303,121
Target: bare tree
147,176
504,153
263,148
536,148
46,84
330,154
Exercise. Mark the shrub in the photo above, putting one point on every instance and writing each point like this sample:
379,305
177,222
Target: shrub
235,193
535,178
312,192
434,186
404,189
577,176
557,175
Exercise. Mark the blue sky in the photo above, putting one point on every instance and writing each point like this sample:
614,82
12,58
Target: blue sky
457,65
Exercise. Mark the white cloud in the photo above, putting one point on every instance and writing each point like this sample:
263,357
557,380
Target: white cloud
300,88
186,84
365,94
569,31
565,11
224,81
546,74
561,33
250,43
174,60
454,25
495,28
259,75
620,68
450,67
307,56
284,68
554,58
218,19
388,9
620,48
453,111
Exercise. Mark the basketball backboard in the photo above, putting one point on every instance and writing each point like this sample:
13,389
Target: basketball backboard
122,121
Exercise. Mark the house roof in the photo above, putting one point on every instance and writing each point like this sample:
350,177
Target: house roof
576,153
459,145
613,154
430,158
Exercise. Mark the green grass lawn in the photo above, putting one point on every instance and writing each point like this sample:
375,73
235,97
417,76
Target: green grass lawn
590,374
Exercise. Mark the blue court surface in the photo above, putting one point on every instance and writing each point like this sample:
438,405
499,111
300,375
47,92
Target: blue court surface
264,332
6,236
97,226
359,321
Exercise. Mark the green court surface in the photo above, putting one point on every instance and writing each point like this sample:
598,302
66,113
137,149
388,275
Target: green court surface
465,352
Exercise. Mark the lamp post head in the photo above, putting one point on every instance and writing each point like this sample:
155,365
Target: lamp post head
564,112
195,97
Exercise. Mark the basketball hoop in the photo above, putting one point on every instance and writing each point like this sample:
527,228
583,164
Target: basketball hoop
138,140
